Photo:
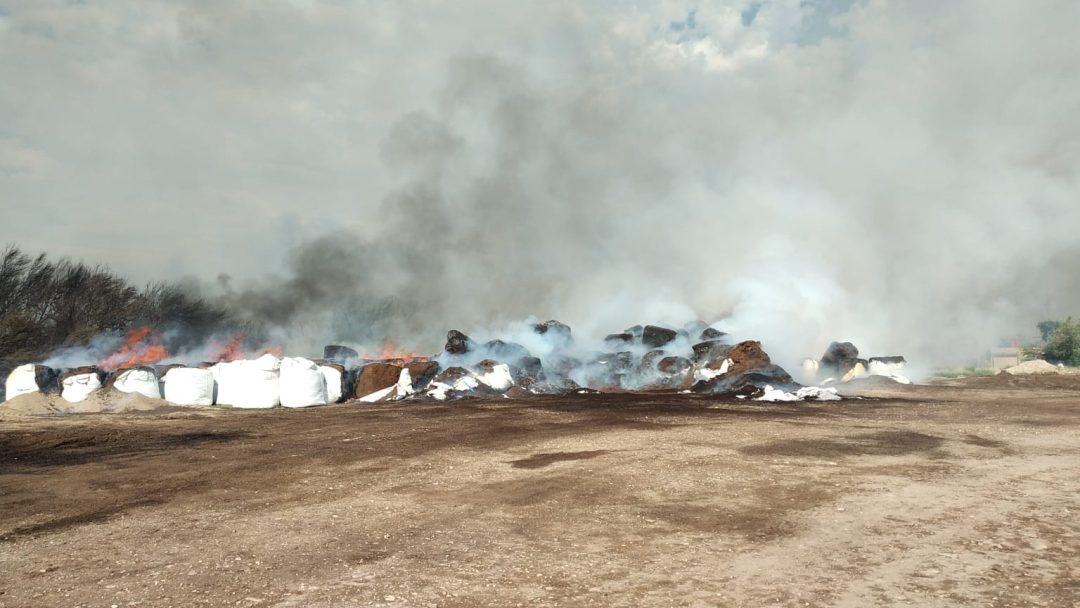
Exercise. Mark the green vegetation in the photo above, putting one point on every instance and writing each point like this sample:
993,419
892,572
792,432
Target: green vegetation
1031,352
1047,329
1063,344
46,305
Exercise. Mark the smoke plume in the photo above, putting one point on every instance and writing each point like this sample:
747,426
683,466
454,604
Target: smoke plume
901,175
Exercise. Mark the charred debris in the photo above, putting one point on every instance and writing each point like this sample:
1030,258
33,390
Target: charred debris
695,358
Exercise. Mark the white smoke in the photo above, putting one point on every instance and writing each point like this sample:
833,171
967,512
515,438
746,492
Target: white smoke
901,175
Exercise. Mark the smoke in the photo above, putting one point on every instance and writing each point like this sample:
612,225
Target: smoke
97,349
901,175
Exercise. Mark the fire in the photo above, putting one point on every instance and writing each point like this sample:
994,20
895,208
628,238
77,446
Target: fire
277,351
391,350
141,347
233,350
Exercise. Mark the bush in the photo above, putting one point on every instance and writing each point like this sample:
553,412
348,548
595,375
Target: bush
1064,344
1031,352
1047,329
46,305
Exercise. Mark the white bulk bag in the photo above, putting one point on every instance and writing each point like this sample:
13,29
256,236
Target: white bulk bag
810,370
379,395
22,380
140,381
334,382
401,389
499,378
249,384
858,371
302,383
222,385
78,387
404,384
189,386
885,368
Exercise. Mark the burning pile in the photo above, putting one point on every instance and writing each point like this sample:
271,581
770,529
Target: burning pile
545,359
841,363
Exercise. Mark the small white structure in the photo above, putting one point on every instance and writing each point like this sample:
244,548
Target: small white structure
302,383
142,381
1004,357
249,384
189,386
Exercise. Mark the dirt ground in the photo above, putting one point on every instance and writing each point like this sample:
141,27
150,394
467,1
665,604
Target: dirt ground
960,494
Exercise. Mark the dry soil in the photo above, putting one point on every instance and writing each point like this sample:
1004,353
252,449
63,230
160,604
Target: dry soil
961,494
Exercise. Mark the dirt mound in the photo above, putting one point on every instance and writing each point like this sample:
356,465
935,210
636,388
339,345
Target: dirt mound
1038,366
558,334
458,343
711,334
748,355
506,351
102,401
618,340
422,372
336,352
674,365
840,358
375,377
750,383
711,353
654,336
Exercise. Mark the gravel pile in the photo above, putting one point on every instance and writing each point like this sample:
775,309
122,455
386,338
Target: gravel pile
1038,366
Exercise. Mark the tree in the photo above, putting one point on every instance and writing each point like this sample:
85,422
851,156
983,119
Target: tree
1064,344
1047,328
46,305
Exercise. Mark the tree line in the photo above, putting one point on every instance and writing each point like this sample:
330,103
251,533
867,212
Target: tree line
48,304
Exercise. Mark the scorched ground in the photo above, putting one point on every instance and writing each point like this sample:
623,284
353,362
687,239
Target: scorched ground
950,495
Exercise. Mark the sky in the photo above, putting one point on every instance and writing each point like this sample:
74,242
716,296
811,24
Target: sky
902,174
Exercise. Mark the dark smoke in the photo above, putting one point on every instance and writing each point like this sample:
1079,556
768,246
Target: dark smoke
899,175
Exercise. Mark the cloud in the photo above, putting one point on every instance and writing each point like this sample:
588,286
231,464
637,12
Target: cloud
19,161
899,174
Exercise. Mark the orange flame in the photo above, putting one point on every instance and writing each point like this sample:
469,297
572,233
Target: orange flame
233,350
142,347
391,350
277,351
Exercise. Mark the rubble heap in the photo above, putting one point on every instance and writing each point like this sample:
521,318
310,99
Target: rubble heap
545,359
